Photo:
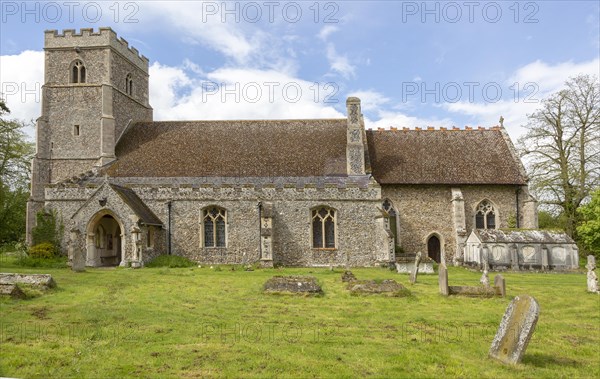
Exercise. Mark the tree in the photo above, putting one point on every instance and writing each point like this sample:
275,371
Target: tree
589,230
15,156
562,148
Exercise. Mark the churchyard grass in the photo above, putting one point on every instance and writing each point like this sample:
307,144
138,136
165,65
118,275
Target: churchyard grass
202,322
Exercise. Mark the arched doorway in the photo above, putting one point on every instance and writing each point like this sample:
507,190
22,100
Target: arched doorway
434,248
104,243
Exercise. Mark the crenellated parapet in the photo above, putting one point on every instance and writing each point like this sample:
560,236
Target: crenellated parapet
88,38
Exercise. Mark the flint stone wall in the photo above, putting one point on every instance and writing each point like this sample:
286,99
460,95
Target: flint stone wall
428,209
360,236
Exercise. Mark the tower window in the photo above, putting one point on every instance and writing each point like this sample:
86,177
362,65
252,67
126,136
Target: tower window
78,72
129,85
75,130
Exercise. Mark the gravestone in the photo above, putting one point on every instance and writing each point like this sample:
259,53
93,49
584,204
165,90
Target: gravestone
415,272
443,279
500,284
516,329
592,278
77,258
485,279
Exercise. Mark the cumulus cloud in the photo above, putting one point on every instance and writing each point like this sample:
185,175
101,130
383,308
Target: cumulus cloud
21,79
535,81
340,63
236,93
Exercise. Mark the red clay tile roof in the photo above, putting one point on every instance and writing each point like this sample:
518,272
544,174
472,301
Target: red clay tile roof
444,157
248,148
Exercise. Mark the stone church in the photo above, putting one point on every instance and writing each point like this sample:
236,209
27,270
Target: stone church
274,192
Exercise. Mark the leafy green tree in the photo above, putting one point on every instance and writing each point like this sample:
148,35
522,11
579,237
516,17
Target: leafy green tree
561,148
15,156
589,230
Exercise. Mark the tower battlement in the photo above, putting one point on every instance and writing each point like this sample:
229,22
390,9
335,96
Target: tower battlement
88,38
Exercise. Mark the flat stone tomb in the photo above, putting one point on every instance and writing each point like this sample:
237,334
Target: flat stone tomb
516,329
302,285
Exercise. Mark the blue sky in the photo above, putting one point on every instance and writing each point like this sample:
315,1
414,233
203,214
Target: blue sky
413,64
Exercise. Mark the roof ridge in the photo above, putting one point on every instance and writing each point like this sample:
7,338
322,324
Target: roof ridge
437,129
241,120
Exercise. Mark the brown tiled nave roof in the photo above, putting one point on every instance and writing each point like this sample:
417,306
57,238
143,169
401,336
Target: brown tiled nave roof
314,148
293,148
434,156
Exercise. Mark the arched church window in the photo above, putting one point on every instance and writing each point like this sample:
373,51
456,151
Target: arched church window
323,228
485,216
214,227
129,85
78,72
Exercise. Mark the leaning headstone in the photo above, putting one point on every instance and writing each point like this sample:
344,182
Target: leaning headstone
500,285
516,329
415,272
443,279
592,278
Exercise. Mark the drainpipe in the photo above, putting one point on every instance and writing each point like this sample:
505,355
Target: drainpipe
517,201
259,205
169,226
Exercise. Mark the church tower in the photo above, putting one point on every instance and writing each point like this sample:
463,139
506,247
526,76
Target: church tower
95,86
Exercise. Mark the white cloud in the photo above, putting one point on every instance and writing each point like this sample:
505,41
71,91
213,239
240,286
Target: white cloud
339,63
21,79
235,93
326,31
370,100
535,82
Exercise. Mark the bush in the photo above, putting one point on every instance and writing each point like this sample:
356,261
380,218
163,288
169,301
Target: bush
45,250
47,229
172,261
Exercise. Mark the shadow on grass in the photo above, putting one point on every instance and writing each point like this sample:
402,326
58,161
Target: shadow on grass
546,360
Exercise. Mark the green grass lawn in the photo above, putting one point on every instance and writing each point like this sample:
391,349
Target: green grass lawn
201,322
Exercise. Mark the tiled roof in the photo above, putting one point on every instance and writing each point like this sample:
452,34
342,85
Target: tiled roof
137,205
298,148
522,236
482,156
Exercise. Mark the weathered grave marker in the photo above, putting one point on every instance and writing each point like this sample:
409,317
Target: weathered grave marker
415,272
485,279
592,278
443,279
500,285
516,329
